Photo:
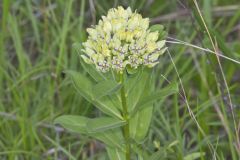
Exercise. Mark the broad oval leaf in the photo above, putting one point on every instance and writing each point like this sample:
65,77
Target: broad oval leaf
104,88
103,124
82,84
105,130
84,87
141,117
73,123
112,138
132,80
136,92
139,123
107,105
83,124
158,95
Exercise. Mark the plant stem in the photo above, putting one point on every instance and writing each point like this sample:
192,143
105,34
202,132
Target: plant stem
126,118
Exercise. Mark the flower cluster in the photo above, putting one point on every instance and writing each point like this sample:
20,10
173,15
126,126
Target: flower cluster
122,38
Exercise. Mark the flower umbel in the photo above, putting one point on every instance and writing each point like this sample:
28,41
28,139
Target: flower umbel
122,38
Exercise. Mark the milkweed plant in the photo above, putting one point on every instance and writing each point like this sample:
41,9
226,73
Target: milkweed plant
118,57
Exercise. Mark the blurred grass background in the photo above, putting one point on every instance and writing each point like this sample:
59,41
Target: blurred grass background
36,38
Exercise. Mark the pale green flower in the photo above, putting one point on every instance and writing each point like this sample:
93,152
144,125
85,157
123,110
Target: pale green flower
122,38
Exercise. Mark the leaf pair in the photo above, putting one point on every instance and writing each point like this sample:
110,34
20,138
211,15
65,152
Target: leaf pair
158,95
96,93
106,129
104,88
102,95
140,121
141,97
86,125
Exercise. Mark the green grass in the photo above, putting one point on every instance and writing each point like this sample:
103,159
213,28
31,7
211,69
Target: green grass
36,40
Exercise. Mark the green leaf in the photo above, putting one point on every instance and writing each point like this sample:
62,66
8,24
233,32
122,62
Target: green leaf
104,88
194,156
133,123
103,124
143,121
84,86
116,101
137,89
158,95
156,27
92,71
106,105
142,114
131,80
73,123
115,154
89,68
112,136
82,124
140,121
163,35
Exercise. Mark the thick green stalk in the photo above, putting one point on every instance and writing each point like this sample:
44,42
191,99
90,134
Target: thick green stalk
126,132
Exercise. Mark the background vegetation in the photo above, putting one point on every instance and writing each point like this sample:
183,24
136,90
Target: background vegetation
36,38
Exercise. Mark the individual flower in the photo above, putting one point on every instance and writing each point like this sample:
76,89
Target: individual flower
122,38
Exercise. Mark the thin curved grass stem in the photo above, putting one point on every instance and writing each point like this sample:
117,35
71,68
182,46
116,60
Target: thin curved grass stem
203,49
